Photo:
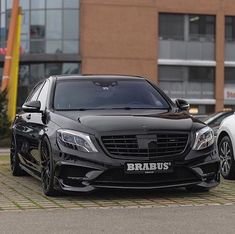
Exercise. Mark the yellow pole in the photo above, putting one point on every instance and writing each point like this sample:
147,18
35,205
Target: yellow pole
14,70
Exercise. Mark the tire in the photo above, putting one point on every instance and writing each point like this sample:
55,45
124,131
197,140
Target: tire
227,163
47,169
197,189
14,159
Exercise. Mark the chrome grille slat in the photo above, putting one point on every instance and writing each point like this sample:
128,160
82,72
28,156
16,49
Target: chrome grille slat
127,148
167,144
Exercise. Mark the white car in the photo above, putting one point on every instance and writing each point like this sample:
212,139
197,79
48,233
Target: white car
226,147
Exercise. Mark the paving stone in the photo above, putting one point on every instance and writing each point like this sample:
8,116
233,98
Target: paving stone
22,193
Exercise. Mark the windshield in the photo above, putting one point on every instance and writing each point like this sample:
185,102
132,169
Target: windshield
107,94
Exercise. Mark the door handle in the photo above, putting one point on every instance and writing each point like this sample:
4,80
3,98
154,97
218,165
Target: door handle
28,116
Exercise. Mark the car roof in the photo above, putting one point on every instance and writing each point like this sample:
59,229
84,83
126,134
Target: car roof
71,77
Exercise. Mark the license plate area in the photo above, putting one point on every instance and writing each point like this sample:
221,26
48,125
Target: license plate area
148,167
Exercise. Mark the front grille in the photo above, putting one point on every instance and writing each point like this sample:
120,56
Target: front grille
160,144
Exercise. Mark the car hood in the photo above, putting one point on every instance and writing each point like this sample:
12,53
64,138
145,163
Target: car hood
114,121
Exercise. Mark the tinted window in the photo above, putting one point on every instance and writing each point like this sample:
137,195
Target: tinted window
107,94
43,95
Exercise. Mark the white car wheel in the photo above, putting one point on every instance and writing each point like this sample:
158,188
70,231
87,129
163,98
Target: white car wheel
226,158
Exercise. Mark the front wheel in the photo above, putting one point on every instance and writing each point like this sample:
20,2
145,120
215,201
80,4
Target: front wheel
227,163
47,170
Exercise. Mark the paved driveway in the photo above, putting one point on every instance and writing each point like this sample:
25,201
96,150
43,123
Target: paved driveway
172,220
23,193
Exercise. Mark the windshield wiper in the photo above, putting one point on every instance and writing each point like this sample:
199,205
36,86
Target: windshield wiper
85,109
113,108
137,108
76,109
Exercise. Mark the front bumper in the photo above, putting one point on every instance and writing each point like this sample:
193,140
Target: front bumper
73,173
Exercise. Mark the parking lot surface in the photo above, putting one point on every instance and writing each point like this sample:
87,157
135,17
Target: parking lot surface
23,193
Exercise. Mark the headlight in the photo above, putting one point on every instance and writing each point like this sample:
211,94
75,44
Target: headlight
76,140
204,138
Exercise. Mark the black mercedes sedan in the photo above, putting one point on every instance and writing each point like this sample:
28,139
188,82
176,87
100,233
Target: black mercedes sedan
81,133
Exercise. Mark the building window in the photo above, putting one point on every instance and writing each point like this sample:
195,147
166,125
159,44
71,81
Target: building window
71,4
54,4
201,111
187,81
37,32
70,68
54,24
37,27
70,46
25,32
30,74
201,27
35,4
3,30
186,27
54,46
37,46
171,26
201,74
7,3
37,72
25,4
48,26
230,28
70,32
229,85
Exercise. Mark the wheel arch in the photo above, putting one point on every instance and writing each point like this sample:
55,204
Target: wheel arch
220,137
43,137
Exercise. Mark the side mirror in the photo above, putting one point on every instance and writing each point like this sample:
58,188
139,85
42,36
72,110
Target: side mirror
32,107
182,104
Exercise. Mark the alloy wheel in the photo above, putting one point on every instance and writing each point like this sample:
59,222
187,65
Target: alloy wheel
46,166
225,158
